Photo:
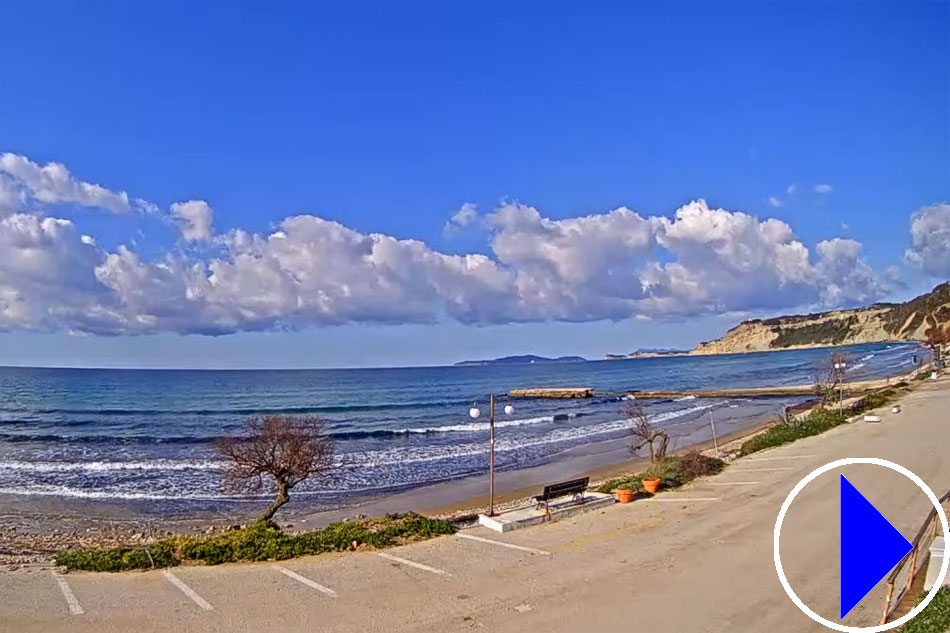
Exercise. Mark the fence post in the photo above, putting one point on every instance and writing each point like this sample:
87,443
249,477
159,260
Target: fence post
887,602
913,571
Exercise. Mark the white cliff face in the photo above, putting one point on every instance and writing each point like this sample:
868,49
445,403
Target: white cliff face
875,324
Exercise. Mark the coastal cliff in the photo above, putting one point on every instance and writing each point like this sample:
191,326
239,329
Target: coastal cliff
878,323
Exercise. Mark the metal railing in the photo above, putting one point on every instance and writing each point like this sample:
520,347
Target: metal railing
913,563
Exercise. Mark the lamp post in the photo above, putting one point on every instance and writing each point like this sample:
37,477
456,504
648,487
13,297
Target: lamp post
474,413
839,374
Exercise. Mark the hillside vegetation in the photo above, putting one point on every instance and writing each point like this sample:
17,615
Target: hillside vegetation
878,323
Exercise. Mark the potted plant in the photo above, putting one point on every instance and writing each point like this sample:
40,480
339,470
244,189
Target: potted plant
651,485
624,495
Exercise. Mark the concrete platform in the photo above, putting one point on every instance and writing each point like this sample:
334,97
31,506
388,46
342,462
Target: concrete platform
525,517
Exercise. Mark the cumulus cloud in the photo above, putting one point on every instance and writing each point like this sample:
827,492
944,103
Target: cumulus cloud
823,188
464,217
930,240
775,202
54,184
791,189
847,278
194,219
310,271
47,279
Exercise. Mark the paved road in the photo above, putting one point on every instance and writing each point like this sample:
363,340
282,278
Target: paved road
699,559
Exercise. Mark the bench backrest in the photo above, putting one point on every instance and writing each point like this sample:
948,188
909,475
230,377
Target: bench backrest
560,489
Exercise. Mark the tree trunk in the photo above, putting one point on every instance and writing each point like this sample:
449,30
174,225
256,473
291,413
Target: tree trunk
282,498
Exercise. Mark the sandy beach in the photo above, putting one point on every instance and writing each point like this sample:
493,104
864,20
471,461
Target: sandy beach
31,527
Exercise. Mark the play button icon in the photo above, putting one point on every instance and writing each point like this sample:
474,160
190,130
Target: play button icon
870,546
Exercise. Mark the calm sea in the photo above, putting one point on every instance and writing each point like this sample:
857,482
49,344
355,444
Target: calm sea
147,435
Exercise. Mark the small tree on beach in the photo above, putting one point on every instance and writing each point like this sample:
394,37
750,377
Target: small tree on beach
286,449
657,440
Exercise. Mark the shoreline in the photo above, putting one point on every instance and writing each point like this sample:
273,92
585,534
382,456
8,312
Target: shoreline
32,527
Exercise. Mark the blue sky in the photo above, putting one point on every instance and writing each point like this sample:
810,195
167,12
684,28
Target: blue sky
387,118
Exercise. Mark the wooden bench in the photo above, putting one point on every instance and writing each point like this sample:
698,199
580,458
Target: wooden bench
574,487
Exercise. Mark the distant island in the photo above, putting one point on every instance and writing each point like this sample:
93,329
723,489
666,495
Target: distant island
649,352
527,359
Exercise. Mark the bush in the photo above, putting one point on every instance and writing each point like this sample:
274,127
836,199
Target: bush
817,422
876,399
671,471
694,464
119,558
935,618
260,541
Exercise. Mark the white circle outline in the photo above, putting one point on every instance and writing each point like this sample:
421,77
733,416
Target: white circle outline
778,532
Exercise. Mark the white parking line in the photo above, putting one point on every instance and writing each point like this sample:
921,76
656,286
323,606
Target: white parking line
774,459
665,498
188,591
306,581
732,483
74,607
410,563
502,544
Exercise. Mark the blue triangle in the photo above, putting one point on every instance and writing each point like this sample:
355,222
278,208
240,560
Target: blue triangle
870,546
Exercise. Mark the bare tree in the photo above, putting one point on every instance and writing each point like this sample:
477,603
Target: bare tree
657,440
829,374
286,449
937,336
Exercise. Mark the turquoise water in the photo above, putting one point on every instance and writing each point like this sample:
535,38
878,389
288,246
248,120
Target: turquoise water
147,435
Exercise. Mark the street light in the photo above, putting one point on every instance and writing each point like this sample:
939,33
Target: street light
473,413
839,374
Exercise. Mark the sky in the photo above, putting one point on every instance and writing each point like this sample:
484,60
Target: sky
356,184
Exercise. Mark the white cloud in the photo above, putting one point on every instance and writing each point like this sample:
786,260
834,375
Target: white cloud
930,240
54,184
464,217
847,278
823,188
194,219
309,271
791,189
46,277
775,202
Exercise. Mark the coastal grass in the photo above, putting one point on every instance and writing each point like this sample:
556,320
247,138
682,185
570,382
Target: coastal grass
817,422
935,618
790,429
671,471
263,540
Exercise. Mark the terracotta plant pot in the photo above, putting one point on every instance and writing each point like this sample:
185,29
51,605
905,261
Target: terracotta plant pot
650,485
624,495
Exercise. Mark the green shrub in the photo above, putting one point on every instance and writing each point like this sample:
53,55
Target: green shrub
935,618
632,482
260,541
876,399
817,422
671,471
119,558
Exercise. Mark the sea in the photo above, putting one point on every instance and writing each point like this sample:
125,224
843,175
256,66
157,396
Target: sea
147,436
